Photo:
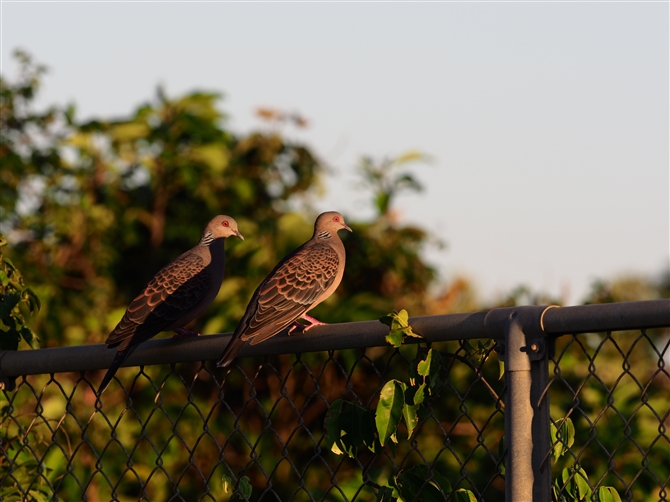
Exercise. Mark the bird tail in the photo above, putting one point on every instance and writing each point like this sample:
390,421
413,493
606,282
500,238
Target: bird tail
230,352
120,356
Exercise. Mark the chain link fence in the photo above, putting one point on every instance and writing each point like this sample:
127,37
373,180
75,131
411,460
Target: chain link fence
615,389
190,431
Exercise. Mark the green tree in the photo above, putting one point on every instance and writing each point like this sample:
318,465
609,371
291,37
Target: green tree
17,304
94,209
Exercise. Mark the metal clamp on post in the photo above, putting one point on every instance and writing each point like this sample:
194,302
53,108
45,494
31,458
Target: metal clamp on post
523,345
532,340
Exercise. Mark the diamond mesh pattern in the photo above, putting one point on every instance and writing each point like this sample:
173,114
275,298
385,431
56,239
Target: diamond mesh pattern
175,432
616,390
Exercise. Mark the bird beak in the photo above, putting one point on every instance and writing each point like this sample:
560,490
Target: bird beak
237,232
344,225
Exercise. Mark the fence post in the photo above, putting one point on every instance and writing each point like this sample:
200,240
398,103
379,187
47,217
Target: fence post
524,348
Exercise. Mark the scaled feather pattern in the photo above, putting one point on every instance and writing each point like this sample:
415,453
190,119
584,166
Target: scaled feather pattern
175,296
297,284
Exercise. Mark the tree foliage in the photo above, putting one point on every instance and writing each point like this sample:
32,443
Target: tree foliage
91,210
17,303
94,209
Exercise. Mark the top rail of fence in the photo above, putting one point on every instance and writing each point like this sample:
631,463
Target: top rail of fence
549,320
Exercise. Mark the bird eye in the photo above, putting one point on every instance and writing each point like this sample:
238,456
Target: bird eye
337,218
225,223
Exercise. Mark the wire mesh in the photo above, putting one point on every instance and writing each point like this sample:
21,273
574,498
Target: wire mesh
182,432
177,433
614,388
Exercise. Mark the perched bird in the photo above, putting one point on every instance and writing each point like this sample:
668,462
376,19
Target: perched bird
178,293
299,282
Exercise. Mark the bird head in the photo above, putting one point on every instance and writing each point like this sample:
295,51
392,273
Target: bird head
330,222
223,226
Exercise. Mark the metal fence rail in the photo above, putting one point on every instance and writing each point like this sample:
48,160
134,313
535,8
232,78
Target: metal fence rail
175,427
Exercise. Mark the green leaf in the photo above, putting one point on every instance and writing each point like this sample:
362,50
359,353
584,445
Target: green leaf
348,427
608,494
367,429
402,317
463,495
333,430
245,486
577,487
442,482
33,300
389,410
583,488
227,484
430,368
411,418
416,483
385,494
420,394
556,490
423,368
8,324
394,338
562,438
382,202
398,322
4,280
30,338
243,491
409,414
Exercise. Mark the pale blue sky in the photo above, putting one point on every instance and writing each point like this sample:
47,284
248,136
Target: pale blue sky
547,122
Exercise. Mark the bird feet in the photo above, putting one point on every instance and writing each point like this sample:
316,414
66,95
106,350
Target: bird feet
301,328
184,333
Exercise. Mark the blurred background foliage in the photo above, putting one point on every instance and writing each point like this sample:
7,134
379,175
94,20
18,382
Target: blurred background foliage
91,210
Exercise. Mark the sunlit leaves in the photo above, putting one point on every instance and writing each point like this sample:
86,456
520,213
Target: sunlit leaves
117,199
562,437
576,484
399,324
17,303
463,495
389,411
348,424
573,484
608,494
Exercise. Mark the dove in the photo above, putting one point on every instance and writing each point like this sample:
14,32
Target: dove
297,284
177,294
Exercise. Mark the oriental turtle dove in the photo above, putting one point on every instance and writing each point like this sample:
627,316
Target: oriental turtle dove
177,294
299,282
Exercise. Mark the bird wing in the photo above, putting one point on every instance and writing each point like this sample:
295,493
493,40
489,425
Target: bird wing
173,292
289,291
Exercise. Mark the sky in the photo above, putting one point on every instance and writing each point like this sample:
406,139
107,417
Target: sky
547,122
